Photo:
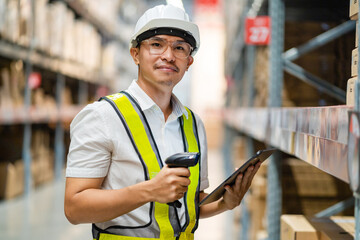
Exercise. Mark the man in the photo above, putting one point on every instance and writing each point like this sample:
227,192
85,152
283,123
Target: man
116,175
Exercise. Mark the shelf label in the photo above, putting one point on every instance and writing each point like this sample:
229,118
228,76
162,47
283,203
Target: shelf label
257,30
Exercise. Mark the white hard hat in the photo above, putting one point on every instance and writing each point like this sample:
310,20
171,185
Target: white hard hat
167,20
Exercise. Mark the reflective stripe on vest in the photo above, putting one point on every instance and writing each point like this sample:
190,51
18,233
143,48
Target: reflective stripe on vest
139,135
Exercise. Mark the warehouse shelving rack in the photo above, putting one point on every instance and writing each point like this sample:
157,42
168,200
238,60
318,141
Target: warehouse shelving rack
28,114
317,135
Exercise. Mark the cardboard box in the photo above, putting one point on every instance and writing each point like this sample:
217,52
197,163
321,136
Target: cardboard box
301,228
25,23
354,9
335,228
41,25
257,208
3,11
354,62
57,19
11,29
297,227
11,179
350,91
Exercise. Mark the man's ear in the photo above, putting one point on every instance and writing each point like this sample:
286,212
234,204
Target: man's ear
191,60
135,55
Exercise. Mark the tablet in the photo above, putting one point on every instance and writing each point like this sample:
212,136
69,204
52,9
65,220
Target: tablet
261,156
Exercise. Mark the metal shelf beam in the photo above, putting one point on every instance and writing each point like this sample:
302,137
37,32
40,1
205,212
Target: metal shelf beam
34,115
274,193
315,135
67,68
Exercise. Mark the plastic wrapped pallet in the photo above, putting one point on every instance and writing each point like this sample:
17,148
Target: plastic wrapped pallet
17,83
90,48
3,13
109,55
11,32
69,36
25,22
5,97
41,25
57,17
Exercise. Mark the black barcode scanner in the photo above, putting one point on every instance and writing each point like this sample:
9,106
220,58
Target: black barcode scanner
186,159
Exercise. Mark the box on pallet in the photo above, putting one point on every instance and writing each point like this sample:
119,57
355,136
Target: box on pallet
350,91
354,9
296,227
42,165
300,227
11,179
306,190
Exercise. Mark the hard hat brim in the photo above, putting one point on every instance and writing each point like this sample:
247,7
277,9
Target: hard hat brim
169,23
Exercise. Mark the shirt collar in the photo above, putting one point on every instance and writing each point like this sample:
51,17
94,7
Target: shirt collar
146,102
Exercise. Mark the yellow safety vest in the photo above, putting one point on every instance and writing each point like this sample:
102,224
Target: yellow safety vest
141,137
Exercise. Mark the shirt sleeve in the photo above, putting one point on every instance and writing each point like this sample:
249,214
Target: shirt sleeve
204,181
90,147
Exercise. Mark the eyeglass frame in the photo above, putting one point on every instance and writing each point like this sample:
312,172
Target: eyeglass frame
169,43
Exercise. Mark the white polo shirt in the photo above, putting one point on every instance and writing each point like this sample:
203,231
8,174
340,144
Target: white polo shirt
100,147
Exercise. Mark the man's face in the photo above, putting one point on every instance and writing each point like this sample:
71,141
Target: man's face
163,70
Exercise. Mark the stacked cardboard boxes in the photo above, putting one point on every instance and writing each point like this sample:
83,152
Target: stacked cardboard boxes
330,62
350,93
11,179
12,83
42,165
306,190
56,31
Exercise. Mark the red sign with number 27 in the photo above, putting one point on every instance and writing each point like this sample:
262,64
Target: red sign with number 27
257,30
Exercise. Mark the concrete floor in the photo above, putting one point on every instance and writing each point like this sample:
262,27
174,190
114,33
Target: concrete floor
40,215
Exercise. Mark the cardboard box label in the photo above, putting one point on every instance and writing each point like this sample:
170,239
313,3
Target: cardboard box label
350,91
354,62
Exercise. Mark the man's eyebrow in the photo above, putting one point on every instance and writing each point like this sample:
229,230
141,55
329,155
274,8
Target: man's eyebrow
157,38
162,39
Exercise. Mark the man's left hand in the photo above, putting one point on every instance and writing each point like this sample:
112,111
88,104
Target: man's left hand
235,193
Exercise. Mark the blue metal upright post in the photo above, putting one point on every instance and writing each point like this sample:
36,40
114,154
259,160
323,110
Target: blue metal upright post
245,218
229,167
83,93
250,57
59,132
26,148
357,108
274,193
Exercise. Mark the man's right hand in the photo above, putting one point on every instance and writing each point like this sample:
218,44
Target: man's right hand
86,202
170,184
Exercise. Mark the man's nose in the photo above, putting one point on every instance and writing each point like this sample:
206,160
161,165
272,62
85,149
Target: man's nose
168,55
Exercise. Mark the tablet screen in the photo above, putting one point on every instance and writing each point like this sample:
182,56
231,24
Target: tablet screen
261,156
